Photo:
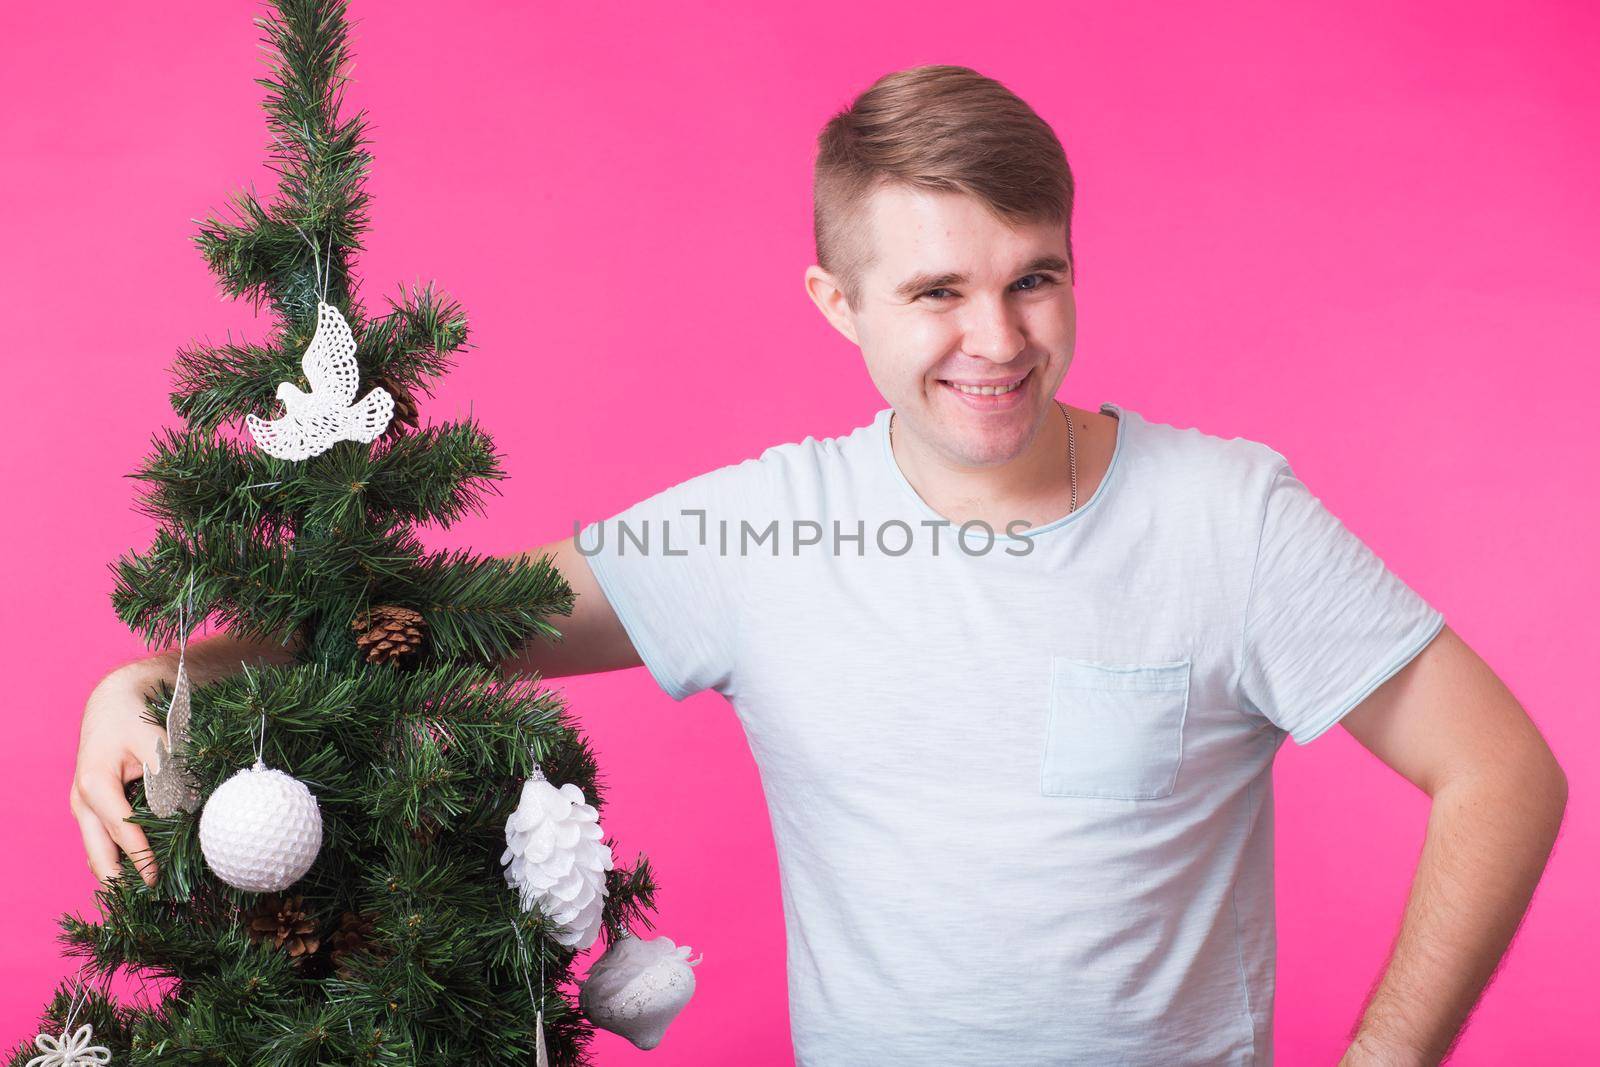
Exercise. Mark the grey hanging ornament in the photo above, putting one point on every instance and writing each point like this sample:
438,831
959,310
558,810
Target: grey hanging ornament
171,787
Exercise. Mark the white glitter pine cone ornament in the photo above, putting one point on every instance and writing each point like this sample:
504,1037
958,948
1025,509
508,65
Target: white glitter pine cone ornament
556,860
638,987
261,830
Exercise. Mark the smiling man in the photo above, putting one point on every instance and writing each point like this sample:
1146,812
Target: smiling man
1015,672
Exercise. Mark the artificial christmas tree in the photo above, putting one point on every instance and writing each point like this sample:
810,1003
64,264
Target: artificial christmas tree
403,940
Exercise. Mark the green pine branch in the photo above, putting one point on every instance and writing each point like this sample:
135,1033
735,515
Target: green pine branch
437,475
484,608
409,345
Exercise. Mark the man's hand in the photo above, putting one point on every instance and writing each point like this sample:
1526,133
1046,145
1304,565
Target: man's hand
1453,729
113,743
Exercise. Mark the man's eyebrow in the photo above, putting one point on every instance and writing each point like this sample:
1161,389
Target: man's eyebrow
920,283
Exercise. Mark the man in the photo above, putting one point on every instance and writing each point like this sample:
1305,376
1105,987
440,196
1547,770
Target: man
1014,672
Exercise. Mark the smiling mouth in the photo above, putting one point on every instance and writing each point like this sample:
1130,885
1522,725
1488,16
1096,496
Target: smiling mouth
999,387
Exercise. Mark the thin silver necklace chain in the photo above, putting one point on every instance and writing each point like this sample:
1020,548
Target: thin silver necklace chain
1072,451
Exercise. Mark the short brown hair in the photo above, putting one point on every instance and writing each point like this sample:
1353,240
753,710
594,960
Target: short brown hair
933,127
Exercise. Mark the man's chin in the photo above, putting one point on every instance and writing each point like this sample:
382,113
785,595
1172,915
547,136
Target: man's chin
996,435
988,446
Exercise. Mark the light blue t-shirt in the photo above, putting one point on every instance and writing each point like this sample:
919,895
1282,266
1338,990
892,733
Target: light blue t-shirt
1021,791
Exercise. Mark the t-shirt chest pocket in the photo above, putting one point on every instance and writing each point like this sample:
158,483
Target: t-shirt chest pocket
1114,730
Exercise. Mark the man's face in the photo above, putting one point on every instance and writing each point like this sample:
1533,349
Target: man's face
957,297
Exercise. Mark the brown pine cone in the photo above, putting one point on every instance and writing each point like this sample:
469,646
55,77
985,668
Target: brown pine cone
388,632
426,830
405,405
354,935
283,921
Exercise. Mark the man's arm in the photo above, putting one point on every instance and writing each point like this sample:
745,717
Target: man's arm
1447,724
592,637
115,739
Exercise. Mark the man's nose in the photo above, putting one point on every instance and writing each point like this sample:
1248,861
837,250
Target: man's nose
993,329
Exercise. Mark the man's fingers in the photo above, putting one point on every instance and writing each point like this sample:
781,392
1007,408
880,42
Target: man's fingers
107,801
97,844
137,846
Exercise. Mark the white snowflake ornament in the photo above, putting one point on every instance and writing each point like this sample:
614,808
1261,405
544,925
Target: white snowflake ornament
556,860
74,1051
638,987
312,422
261,830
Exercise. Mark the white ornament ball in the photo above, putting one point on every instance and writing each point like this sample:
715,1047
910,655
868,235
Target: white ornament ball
638,987
556,860
261,830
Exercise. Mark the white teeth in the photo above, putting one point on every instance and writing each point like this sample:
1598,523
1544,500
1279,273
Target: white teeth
985,390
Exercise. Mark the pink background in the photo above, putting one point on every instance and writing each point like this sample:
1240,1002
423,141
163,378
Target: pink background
1365,236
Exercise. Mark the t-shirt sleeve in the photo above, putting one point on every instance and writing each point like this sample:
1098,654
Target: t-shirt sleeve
1326,622
663,568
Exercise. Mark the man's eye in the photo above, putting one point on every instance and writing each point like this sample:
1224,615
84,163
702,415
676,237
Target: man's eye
1044,280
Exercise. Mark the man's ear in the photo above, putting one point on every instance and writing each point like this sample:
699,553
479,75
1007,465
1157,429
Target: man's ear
824,292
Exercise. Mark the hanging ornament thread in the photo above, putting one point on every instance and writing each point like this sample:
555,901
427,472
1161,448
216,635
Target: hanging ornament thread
70,1051
541,1055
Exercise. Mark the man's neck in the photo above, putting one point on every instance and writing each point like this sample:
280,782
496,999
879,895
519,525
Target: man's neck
1036,486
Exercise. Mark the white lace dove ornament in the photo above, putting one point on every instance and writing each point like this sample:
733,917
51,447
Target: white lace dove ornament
638,987
329,413
556,860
